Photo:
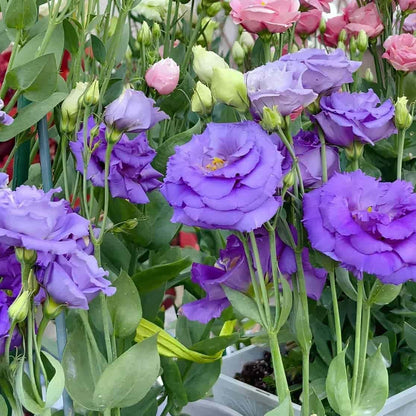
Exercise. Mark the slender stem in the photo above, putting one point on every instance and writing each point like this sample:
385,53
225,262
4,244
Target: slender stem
261,278
9,158
44,153
13,100
193,39
360,290
337,320
167,30
104,317
41,330
15,49
64,160
33,383
323,156
363,347
400,153
267,52
373,51
8,342
279,370
305,382
39,364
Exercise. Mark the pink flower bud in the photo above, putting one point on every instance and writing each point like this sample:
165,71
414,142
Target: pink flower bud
163,76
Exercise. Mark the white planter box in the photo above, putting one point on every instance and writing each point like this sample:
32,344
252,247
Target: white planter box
204,408
250,401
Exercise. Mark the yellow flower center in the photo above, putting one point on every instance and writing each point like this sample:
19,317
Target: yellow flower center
263,3
216,163
370,209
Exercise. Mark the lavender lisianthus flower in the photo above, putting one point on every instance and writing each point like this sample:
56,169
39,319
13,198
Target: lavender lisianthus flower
307,147
326,72
348,117
5,119
132,112
225,178
367,225
130,175
278,84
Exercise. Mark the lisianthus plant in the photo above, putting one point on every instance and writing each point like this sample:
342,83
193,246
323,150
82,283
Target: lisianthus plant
183,176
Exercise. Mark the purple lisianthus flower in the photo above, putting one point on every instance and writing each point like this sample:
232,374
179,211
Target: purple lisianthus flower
367,225
10,285
131,174
307,147
326,72
132,112
5,119
409,24
278,84
348,117
30,219
225,178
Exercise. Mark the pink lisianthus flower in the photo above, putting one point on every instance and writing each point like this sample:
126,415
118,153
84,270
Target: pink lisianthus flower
163,76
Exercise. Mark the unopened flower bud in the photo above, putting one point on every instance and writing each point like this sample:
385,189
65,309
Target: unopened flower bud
156,31
342,37
355,151
209,26
315,107
238,53
247,42
51,309
92,94
26,256
112,27
19,309
127,225
403,119
214,9
362,41
368,76
32,283
70,107
353,46
228,86
226,7
144,35
94,132
294,48
289,180
202,101
204,63
272,119
341,45
322,26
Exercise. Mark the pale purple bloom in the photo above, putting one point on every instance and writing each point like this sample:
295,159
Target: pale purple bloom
366,225
326,72
409,25
130,175
5,119
348,117
225,178
278,84
132,112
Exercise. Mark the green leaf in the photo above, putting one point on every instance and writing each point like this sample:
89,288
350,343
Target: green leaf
286,301
344,282
3,407
21,14
320,260
145,407
337,386
129,378
303,331
213,345
172,380
410,335
124,306
200,379
98,49
155,276
83,365
316,406
37,78
282,410
382,294
57,383
30,115
375,388
167,149
243,304
71,37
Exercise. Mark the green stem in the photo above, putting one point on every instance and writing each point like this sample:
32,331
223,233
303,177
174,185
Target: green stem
13,100
41,330
39,365
9,158
279,370
15,49
363,346
166,41
373,50
266,48
104,317
8,342
64,160
337,320
400,153
360,290
193,39
323,156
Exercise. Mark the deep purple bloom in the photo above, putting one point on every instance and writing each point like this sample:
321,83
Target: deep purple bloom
5,119
348,117
278,84
367,225
130,175
225,178
326,72
132,112
10,284
231,270
307,147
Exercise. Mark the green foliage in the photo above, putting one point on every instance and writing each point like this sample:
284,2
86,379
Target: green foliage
245,305
20,14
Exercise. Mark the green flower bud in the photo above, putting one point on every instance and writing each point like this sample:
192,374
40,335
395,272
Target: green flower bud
19,309
342,37
403,119
112,27
315,107
156,31
353,46
355,151
322,26
238,53
226,6
289,180
32,283
228,87
125,226
70,107
362,41
204,63
51,309
294,48
209,26
92,94
341,45
26,256
202,101
144,35
368,76
247,42
214,9
272,119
